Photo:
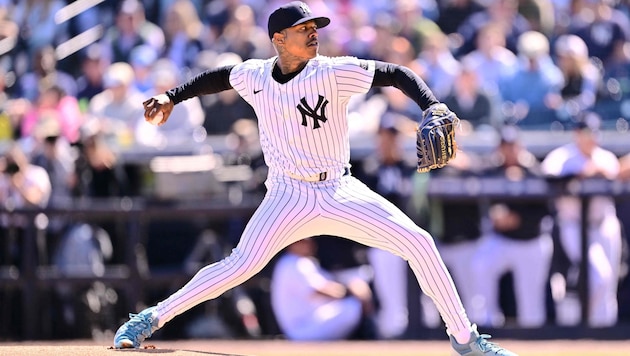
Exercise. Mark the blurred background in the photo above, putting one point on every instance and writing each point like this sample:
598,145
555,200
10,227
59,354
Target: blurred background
103,214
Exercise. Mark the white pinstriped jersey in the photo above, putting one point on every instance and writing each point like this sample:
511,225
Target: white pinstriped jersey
303,123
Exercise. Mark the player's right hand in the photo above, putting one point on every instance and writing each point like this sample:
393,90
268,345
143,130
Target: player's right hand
157,109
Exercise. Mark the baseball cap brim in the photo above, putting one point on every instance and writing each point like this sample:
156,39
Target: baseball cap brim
320,21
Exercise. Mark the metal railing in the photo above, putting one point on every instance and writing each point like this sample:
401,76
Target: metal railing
132,275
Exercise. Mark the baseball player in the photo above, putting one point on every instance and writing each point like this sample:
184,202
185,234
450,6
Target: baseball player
300,99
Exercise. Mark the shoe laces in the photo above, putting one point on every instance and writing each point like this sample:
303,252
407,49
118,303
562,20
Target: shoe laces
140,324
485,345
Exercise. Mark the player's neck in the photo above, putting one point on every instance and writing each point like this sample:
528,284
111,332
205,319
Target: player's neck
290,64
281,76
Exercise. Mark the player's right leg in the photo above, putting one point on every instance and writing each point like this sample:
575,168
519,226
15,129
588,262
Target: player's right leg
354,211
285,215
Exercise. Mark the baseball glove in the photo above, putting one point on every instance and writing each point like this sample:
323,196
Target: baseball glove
435,137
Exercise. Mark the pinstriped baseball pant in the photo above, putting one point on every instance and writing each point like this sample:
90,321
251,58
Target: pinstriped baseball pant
345,207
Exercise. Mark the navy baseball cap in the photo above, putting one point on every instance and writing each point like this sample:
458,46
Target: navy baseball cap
292,14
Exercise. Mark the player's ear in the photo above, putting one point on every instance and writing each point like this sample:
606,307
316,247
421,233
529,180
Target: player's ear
278,38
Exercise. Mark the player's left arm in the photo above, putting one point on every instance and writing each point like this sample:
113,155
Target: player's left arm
401,77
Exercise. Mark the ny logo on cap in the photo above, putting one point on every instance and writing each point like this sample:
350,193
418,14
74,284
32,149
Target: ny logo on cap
305,9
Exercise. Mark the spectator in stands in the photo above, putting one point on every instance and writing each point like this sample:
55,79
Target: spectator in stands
582,159
581,78
38,28
539,14
142,59
309,304
22,185
347,263
604,29
505,14
54,153
624,167
98,169
53,104
453,13
616,79
244,149
413,24
183,31
518,241
131,29
44,73
117,114
242,36
491,59
9,32
440,67
526,93
7,123
476,109
90,82
217,14
356,38
385,32
623,206
116,109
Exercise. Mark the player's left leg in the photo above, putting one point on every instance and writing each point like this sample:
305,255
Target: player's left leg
351,210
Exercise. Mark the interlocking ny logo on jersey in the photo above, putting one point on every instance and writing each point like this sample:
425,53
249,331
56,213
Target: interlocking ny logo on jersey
317,113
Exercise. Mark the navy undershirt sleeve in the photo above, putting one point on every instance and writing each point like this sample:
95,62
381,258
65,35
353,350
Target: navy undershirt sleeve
403,78
209,82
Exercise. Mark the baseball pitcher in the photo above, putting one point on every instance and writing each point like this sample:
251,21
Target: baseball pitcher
300,99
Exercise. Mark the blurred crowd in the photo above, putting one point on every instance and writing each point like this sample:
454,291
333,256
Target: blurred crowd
73,75
534,63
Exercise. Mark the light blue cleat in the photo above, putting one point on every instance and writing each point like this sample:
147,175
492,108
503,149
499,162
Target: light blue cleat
479,346
139,327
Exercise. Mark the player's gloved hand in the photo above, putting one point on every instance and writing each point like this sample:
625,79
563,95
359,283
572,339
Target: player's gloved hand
435,137
157,109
